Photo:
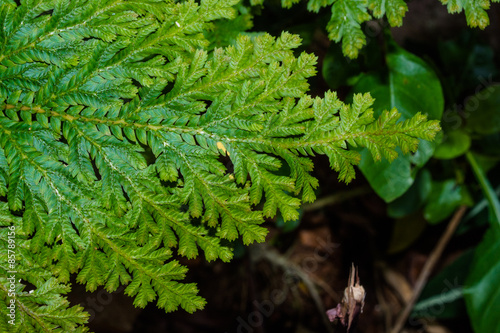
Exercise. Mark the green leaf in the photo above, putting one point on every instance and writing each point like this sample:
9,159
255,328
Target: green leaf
390,180
484,118
444,198
454,144
425,151
413,199
475,11
443,295
488,191
411,86
482,294
405,232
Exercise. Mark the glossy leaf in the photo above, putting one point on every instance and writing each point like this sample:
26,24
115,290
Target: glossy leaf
444,198
389,180
482,294
411,86
454,144
414,198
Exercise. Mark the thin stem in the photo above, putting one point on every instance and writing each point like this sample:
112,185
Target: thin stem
336,198
428,267
488,190
262,251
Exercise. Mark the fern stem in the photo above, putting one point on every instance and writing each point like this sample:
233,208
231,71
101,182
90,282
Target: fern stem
488,190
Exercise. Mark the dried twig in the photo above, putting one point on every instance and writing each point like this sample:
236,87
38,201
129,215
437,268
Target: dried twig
262,251
428,267
336,198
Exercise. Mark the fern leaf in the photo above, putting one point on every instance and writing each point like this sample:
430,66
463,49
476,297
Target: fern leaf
347,17
395,10
127,137
475,11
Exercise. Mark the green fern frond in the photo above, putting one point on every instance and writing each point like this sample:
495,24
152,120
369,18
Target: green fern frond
127,137
475,11
43,309
347,17
394,10
345,25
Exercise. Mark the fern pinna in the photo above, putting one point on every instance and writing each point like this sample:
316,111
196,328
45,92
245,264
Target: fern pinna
347,17
116,120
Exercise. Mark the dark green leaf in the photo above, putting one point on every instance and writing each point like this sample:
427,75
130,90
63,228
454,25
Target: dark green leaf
411,86
442,297
405,232
444,198
413,199
454,144
484,112
482,294
389,180
475,62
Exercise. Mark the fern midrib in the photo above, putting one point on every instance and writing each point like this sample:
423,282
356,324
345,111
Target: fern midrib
281,142
317,125
39,109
